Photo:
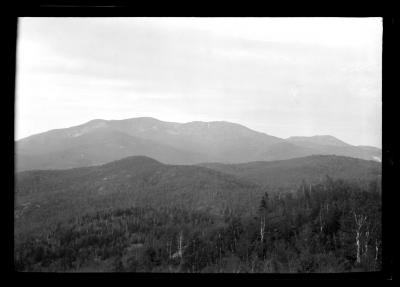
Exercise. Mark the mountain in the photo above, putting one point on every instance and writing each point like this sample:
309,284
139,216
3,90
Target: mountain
89,145
329,145
101,141
45,197
317,140
218,141
313,169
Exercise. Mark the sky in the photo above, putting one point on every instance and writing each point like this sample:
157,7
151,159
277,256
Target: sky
281,76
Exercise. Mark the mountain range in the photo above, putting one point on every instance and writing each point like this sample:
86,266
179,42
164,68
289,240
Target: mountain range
101,141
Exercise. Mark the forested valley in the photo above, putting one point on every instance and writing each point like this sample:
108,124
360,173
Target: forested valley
331,226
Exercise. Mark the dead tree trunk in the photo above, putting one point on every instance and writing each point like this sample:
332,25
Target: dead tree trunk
179,253
180,245
321,224
360,221
262,228
376,251
366,243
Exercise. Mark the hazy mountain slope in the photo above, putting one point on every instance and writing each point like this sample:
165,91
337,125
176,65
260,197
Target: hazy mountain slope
46,196
220,141
352,151
95,146
330,145
289,173
100,141
284,150
317,140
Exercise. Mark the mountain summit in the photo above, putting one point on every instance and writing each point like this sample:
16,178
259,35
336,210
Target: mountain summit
101,141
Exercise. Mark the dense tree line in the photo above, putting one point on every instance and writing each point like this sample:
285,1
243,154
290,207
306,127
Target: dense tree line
334,226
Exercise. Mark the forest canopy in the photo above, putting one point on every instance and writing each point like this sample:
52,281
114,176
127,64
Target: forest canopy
332,226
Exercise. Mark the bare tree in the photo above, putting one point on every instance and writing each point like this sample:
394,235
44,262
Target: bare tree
263,214
360,221
262,228
376,250
366,242
321,220
179,253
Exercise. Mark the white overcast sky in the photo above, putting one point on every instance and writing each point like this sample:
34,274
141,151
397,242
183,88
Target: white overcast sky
282,76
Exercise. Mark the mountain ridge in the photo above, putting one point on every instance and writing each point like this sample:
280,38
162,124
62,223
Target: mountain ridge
99,141
319,139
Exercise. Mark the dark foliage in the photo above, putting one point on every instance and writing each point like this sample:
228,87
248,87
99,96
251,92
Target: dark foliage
311,230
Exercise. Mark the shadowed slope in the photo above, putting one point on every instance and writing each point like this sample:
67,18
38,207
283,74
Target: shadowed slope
47,196
313,169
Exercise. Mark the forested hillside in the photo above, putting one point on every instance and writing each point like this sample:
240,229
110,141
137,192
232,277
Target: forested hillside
333,226
45,197
313,214
285,174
